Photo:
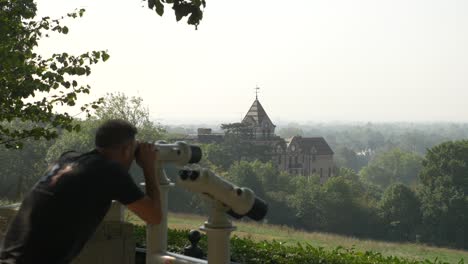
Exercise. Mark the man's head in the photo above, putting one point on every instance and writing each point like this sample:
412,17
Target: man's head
116,140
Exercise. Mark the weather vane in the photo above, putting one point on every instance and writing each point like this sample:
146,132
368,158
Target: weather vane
256,92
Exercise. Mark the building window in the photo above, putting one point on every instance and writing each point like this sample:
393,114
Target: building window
321,172
314,171
295,159
279,159
314,157
329,172
290,162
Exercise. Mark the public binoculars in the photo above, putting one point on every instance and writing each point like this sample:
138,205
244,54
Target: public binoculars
223,197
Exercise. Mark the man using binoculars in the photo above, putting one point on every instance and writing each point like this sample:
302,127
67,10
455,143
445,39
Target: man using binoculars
66,205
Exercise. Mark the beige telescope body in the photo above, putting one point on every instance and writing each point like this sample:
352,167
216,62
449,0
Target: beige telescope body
242,201
178,153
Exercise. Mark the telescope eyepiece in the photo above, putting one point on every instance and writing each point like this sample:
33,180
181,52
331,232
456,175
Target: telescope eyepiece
194,175
259,210
184,174
189,174
196,154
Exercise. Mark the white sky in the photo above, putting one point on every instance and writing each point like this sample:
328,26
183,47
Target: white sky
314,60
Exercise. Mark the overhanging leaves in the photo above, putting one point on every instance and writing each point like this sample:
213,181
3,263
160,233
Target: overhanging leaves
31,85
182,8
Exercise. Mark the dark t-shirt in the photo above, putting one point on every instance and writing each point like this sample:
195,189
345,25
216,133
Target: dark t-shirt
65,207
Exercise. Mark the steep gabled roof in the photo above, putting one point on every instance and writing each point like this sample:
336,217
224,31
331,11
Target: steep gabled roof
307,144
256,114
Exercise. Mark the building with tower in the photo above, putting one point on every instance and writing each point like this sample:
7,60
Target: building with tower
297,155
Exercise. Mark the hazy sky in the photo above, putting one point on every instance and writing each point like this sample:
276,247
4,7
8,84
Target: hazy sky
314,60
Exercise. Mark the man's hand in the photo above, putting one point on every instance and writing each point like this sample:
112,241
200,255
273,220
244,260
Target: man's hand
148,208
146,156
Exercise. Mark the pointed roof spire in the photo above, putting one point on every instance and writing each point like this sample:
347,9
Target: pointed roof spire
256,114
256,92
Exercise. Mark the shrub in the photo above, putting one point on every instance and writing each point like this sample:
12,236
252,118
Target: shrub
245,250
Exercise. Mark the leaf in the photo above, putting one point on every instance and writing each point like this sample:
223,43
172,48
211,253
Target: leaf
151,4
65,30
159,7
80,71
105,56
81,12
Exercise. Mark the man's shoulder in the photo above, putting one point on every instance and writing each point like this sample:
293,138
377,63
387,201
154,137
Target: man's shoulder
91,159
99,162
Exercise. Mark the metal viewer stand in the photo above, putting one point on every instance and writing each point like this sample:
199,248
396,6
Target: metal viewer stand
218,227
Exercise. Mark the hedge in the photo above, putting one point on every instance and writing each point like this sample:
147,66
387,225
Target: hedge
245,250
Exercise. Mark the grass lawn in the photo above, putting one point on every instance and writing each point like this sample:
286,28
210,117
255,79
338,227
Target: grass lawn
291,236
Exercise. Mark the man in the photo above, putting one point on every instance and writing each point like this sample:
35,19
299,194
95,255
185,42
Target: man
66,205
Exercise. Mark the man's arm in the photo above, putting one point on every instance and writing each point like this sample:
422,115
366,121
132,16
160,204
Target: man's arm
149,207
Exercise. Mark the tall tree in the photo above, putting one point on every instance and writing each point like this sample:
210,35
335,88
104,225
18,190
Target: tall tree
131,108
239,130
347,158
399,209
444,193
21,168
116,106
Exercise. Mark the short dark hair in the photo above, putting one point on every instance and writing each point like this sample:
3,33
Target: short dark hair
113,133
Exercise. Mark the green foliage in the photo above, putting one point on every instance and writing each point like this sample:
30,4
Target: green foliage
119,106
345,204
348,158
245,174
82,141
400,212
392,167
245,250
182,8
218,155
306,202
114,106
21,168
234,149
444,193
241,130
33,86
